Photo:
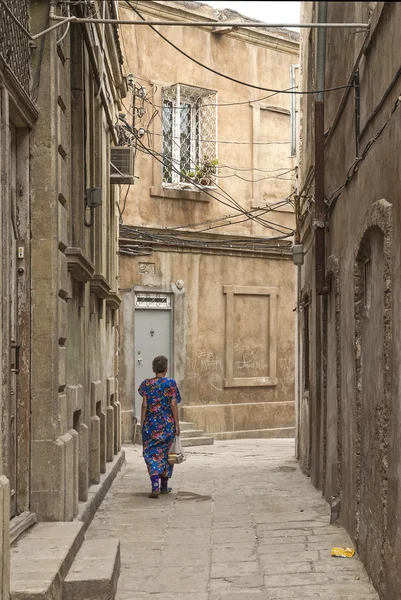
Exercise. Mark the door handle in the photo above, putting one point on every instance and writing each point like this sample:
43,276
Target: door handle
139,360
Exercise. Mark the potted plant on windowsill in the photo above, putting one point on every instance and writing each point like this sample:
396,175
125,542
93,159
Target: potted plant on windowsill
205,172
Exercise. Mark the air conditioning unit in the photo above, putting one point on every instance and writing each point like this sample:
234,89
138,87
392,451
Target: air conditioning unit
122,165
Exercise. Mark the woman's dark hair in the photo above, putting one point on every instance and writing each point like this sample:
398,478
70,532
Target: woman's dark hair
159,364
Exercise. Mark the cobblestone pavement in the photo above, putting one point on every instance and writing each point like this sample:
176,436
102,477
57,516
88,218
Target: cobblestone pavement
242,523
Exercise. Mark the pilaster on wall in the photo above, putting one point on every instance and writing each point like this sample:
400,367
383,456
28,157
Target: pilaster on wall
113,404
71,468
75,425
126,368
48,479
97,435
50,280
109,433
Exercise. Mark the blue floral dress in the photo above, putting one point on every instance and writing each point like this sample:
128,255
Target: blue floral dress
158,429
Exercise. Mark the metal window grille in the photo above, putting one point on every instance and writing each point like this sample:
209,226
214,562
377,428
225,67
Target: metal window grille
14,43
189,125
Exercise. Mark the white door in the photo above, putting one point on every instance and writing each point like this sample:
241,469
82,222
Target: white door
152,338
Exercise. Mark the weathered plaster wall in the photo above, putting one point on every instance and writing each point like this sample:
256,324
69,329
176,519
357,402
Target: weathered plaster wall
259,58
201,362
354,408
214,354
17,117
75,412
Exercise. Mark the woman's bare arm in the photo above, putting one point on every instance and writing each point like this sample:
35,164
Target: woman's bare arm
175,415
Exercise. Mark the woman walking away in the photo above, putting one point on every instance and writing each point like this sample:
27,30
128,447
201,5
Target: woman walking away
159,424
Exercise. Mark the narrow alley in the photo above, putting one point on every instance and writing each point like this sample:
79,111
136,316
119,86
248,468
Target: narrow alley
200,224
242,522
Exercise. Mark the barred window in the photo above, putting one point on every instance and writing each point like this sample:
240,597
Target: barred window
189,135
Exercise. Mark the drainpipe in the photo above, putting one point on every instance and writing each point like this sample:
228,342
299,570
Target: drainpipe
320,216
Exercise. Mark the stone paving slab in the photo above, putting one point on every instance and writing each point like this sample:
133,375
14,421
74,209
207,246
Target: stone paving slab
242,523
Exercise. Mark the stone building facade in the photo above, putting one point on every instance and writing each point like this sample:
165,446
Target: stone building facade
60,413
349,377
202,281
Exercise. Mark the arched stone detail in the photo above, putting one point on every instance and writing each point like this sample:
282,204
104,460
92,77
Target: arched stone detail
376,229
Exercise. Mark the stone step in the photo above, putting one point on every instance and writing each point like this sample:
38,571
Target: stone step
186,425
191,433
95,571
204,440
41,560
279,432
20,525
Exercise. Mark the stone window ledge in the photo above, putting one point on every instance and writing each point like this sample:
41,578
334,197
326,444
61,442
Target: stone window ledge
99,287
175,193
79,265
113,300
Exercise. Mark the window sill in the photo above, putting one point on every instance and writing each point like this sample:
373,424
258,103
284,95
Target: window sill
79,265
175,193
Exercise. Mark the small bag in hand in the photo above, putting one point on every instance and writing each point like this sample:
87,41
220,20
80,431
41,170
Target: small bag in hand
176,453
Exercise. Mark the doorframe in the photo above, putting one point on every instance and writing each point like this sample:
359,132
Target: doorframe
180,324
23,291
179,328
169,292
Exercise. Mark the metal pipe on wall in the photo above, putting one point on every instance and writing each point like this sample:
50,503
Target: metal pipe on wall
320,216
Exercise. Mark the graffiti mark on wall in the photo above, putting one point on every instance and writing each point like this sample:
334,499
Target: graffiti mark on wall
205,376
285,368
249,360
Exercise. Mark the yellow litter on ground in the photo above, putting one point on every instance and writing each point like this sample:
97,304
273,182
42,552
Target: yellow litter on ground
343,552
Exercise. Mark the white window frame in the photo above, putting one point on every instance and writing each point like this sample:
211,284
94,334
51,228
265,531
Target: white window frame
197,127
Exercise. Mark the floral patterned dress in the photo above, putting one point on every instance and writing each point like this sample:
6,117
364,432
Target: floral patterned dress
158,428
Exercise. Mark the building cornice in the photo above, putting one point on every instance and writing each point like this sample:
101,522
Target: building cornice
264,38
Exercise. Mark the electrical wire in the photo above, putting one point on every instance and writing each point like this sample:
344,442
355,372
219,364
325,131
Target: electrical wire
244,169
233,204
234,222
161,159
233,142
121,210
242,103
226,176
356,163
133,232
250,85
225,193
278,177
59,41
263,209
382,101
157,113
